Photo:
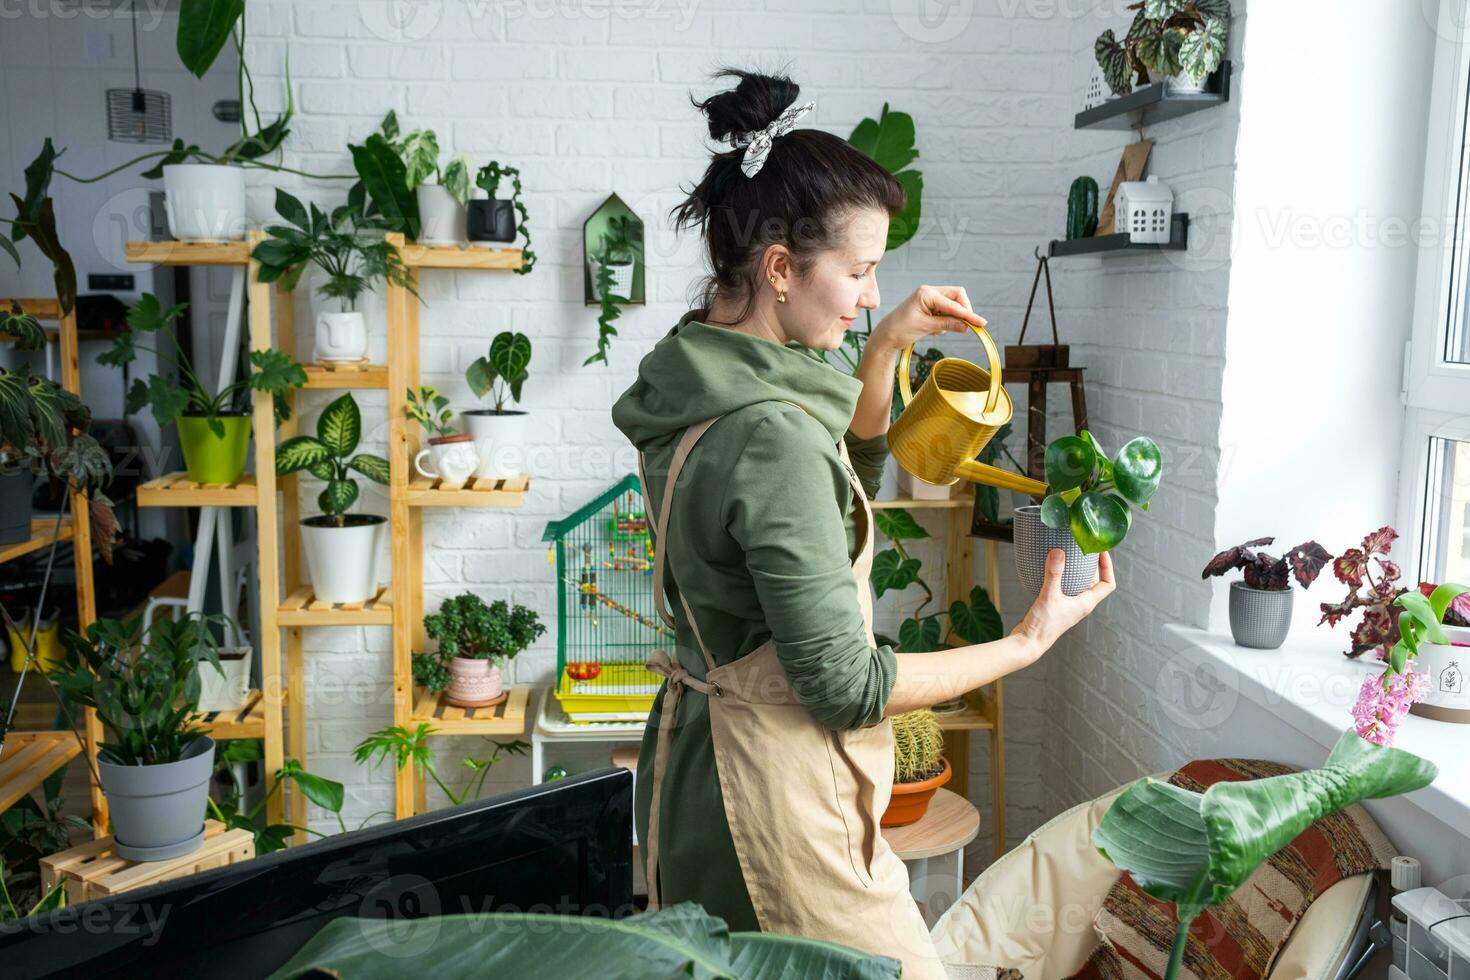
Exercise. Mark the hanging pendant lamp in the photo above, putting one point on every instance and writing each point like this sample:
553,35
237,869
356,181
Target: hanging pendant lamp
135,115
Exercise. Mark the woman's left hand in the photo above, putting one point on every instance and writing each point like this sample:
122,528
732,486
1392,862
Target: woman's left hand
930,311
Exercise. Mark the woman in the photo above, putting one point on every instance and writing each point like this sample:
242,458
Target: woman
768,758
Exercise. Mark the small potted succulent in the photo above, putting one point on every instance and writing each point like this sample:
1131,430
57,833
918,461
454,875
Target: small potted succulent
451,453
154,764
499,434
475,642
442,192
919,766
342,549
1085,511
1260,605
499,219
214,430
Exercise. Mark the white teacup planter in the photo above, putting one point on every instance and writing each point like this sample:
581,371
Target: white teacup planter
1449,686
500,442
205,202
343,560
452,460
341,337
226,689
474,683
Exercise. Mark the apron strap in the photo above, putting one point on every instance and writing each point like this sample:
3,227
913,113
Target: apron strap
860,509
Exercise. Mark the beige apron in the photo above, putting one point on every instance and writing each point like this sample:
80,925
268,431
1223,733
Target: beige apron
802,801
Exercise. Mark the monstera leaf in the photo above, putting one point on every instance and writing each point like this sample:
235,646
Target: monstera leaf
889,141
1195,849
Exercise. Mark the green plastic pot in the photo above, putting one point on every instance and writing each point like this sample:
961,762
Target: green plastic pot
209,458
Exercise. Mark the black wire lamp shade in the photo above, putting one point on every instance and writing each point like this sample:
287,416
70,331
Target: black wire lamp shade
136,115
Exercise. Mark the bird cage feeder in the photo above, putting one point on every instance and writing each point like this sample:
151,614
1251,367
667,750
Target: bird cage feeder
606,621
1144,210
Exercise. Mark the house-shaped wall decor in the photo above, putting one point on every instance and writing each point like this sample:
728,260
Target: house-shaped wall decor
614,233
1144,210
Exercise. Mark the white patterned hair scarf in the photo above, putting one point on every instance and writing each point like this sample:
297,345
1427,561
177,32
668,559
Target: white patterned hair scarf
757,142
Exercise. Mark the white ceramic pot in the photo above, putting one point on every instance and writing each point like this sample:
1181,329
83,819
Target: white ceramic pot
1448,668
205,202
473,683
1184,84
225,691
452,460
912,487
441,218
500,442
343,561
622,280
341,336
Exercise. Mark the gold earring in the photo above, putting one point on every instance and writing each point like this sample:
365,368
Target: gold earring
781,296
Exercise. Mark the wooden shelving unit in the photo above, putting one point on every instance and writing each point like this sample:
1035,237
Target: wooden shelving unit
45,752
303,608
1152,104
339,376
409,496
177,490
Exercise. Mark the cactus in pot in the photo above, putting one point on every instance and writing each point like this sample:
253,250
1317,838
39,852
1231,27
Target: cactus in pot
919,766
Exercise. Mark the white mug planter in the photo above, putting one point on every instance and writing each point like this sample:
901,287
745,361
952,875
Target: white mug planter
205,202
343,560
341,337
229,690
452,460
158,811
1449,686
473,683
500,442
442,219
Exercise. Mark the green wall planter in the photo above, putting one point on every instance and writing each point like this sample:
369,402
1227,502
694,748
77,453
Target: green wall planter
207,457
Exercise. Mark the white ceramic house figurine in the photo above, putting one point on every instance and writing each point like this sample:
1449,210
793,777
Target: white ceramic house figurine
1097,90
1143,210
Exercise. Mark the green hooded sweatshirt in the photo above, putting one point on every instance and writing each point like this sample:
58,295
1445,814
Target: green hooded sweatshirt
760,543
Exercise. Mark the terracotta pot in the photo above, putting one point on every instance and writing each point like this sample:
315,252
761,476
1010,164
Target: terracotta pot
473,683
910,801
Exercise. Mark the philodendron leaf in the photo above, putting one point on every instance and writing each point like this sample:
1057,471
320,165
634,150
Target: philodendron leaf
978,622
888,141
325,793
510,354
892,572
1099,521
480,376
1069,462
918,635
340,426
904,225
898,524
1137,469
385,179
1056,512
167,399
276,372
204,27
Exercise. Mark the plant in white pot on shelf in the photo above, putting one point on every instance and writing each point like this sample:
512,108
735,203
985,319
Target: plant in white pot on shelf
349,256
1178,42
451,453
1444,661
475,643
1260,605
499,434
342,549
443,192
1086,510
154,763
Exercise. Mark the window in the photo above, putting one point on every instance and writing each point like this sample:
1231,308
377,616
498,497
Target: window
1435,475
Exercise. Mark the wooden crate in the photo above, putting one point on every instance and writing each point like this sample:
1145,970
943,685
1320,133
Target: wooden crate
92,870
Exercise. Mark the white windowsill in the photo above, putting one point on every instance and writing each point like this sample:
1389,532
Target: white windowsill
1311,686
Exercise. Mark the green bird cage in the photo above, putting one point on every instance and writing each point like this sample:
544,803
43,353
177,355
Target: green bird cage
606,621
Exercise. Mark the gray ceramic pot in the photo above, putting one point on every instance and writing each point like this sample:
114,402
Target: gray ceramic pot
15,506
1259,618
1034,540
158,811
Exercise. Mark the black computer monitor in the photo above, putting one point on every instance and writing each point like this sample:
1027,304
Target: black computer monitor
563,847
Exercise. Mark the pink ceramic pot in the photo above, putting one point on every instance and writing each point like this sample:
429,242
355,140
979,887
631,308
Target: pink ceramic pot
473,683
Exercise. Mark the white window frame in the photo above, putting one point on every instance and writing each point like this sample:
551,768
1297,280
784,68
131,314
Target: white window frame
1436,393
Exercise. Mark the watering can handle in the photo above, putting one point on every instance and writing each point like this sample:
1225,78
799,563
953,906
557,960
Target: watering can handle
906,391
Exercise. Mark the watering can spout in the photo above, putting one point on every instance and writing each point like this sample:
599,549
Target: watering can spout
994,476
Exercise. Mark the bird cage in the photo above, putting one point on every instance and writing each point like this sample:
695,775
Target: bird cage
1143,211
606,621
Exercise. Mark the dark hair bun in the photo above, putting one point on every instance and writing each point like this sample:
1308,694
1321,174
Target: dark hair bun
752,104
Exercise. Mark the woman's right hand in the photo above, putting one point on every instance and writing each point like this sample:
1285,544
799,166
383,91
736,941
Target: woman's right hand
1054,612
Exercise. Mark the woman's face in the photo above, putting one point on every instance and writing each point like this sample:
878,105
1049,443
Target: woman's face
821,306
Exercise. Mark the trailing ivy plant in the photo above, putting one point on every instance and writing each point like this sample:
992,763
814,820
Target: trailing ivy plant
975,621
621,243
329,456
488,180
1090,493
503,369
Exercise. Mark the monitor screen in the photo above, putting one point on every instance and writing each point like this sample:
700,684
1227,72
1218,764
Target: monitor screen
562,848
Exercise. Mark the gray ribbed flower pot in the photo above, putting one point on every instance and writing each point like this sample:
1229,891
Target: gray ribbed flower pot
158,811
1259,618
15,506
1034,540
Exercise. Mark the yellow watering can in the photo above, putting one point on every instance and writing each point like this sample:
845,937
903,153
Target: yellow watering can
959,407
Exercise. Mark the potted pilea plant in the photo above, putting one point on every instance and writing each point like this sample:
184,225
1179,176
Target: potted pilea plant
1085,511
977,621
349,258
406,747
612,277
214,430
342,549
919,766
451,453
499,219
1178,40
475,641
1260,606
155,763
499,434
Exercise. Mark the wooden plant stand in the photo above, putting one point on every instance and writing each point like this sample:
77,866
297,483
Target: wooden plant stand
92,870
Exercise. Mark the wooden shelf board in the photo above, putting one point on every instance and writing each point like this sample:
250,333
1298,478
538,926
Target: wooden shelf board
909,503
177,490
457,257
189,253
1151,104
506,718
30,759
244,722
346,375
1105,244
949,824
423,492
979,716
41,536
303,608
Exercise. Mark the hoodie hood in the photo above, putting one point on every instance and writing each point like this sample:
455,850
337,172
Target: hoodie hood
700,371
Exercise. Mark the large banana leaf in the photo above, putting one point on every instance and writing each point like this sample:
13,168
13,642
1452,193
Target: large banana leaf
889,141
680,941
1195,849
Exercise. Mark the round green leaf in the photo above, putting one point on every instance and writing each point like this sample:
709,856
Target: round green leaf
1099,521
1137,468
1055,512
1069,462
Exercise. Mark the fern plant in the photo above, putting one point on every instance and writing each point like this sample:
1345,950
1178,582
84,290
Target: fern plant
329,456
